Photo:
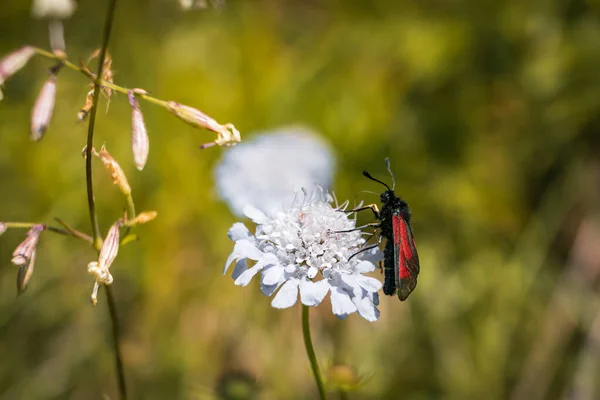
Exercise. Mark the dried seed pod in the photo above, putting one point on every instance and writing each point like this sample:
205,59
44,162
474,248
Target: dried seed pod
43,108
115,170
142,218
87,106
107,73
140,144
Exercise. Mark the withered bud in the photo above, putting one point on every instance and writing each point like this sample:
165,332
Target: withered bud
87,106
25,273
107,74
140,144
13,62
227,135
23,252
2,228
142,218
115,170
43,108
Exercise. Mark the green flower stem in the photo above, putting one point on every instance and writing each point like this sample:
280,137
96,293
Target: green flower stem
67,231
93,78
310,352
112,310
97,239
130,212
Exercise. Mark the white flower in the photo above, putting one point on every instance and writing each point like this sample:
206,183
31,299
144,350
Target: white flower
268,170
300,249
60,9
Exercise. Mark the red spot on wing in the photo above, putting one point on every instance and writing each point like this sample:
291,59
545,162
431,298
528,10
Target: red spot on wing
402,240
402,237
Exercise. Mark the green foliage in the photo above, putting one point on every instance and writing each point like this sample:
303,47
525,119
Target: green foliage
488,111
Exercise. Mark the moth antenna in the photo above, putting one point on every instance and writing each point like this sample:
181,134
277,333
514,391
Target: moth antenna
370,192
365,173
389,168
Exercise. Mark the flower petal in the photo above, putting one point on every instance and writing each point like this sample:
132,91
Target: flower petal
232,256
313,293
245,248
246,276
287,295
239,231
273,275
240,266
374,255
254,214
341,305
366,308
368,283
268,290
364,267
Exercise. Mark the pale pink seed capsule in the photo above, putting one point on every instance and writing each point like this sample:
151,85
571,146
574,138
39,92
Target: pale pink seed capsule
14,61
140,143
2,228
24,251
25,273
42,110
110,247
194,116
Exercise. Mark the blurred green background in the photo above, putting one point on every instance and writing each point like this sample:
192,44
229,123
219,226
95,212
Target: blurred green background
490,112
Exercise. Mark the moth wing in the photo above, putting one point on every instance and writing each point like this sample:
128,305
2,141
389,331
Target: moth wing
407,259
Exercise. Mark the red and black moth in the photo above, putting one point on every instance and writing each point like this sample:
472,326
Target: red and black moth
401,261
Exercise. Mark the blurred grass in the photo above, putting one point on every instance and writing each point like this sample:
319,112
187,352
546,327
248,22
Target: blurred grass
489,112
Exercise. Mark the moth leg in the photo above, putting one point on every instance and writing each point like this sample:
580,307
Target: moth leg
372,207
358,228
367,248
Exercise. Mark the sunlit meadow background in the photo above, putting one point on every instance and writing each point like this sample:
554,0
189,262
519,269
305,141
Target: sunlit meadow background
490,113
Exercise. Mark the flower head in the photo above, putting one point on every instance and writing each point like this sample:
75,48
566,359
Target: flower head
307,248
267,171
60,9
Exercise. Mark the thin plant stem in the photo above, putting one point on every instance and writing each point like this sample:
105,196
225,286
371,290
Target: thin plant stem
66,232
310,352
96,235
94,78
114,318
